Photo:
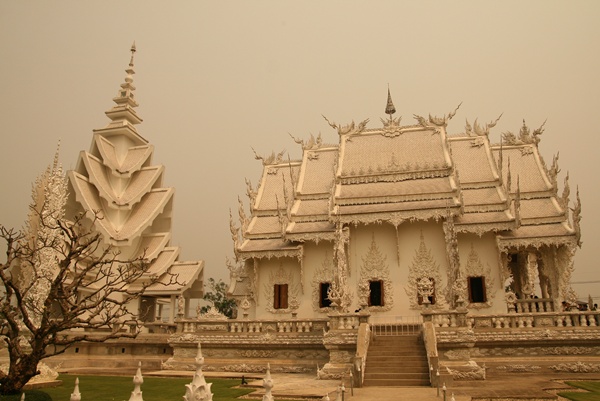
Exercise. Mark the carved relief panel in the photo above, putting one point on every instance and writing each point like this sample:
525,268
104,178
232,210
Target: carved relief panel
323,275
425,267
283,282
375,270
476,273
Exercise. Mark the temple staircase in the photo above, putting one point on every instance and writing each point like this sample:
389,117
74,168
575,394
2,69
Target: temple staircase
396,360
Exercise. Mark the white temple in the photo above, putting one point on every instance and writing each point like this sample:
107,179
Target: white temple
400,211
116,177
465,245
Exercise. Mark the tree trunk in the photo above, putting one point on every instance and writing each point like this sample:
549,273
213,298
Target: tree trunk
18,375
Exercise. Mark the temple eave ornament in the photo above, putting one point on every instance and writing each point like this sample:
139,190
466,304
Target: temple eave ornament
348,129
434,121
269,254
312,144
525,136
391,217
506,244
272,159
479,131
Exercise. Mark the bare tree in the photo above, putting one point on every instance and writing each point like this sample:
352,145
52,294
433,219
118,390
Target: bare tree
60,283
90,288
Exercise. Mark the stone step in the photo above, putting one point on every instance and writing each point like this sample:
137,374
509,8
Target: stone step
399,369
395,382
397,359
397,339
412,376
407,360
397,352
404,345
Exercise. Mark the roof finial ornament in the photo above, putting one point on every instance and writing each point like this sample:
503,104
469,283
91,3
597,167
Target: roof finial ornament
133,50
389,108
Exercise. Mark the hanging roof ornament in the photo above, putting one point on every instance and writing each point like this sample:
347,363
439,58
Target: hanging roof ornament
389,108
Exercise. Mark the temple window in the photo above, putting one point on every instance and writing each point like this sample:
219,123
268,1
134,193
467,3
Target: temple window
431,297
376,293
477,289
324,301
280,296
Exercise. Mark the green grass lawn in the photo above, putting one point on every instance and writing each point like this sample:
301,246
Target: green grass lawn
112,388
592,387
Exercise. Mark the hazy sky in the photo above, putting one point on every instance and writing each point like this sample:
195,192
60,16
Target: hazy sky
215,79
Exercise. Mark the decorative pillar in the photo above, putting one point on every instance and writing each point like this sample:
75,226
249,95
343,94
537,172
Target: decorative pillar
173,309
341,341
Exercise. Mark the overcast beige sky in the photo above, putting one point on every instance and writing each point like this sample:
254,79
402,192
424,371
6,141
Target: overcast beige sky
217,78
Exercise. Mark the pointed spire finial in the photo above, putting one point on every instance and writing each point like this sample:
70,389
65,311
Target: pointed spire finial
389,108
133,50
56,163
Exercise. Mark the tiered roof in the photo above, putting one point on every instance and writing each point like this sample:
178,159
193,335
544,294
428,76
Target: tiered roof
487,206
116,179
310,212
264,237
405,173
544,216
394,174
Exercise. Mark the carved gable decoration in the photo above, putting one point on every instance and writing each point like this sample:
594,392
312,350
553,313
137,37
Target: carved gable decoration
475,268
375,268
282,277
323,275
424,266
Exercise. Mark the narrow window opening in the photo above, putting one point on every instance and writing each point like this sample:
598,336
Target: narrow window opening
280,296
122,350
324,301
77,350
477,289
376,293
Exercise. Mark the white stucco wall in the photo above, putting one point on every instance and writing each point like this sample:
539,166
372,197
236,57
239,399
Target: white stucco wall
398,249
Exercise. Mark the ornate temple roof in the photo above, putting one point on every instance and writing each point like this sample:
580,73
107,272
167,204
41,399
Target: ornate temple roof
309,216
116,179
405,173
544,216
487,206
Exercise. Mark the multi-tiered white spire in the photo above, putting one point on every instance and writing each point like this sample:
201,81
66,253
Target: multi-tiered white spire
116,181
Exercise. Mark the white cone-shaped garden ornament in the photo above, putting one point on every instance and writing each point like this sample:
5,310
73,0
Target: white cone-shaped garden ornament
198,389
76,395
268,385
138,380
